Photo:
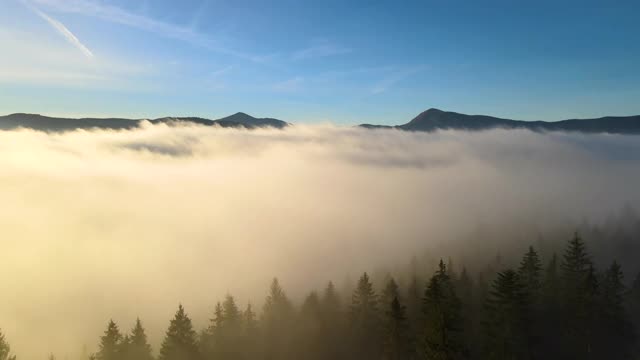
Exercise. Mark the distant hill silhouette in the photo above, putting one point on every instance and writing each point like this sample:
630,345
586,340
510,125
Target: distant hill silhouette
434,119
46,123
430,120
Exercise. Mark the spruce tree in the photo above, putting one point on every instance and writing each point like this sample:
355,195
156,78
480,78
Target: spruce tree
365,320
529,273
250,333
616,335
138,347
579,290
180,341
231,331
443,321
110,343
507,318
309,328
5,349
389,293
333,330
397,340
276,323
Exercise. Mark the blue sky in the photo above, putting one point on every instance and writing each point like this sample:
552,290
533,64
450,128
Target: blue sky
301,61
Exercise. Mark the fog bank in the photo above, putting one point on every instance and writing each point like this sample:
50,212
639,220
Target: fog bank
118,224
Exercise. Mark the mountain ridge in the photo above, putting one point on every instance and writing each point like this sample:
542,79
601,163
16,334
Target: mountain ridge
427,121
435,119
57,124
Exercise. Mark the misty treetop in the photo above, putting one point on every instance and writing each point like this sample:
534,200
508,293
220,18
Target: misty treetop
566,309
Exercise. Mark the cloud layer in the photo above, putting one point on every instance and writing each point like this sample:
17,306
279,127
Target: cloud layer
102,224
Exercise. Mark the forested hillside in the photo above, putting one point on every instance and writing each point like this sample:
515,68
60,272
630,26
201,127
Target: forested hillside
556,308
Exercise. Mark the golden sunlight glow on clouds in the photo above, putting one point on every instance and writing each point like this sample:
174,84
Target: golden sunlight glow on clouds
102,224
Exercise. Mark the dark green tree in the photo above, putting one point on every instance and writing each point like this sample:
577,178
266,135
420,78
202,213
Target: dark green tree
137,345
389,293
333,324
397,340
443,321
615,338
110,347
309,328
507,318
530,273
365,321
180,341
250,333
277,324
579,293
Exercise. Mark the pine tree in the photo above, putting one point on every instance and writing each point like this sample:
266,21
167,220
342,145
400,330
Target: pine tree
333,324
138,347
580,287
250,333
209,343
389,293
277,320
110,343
309,328
441,307
529,273
616,336
180,341
397,341
5,349
365,321
231,330
507,318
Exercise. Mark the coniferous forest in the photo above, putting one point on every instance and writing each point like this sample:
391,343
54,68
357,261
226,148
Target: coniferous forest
557,308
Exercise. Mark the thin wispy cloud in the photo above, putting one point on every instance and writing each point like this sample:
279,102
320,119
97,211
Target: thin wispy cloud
121,16
395,77
320,49
64,31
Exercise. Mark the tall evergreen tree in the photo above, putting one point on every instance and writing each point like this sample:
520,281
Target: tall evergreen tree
365,320
209,343
615,338
138,347
529,273
5,349
507,318
580,286
250,333
441,307
276,324
110,343
333,331
228,330
390,292
180,341
397,340
309,328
